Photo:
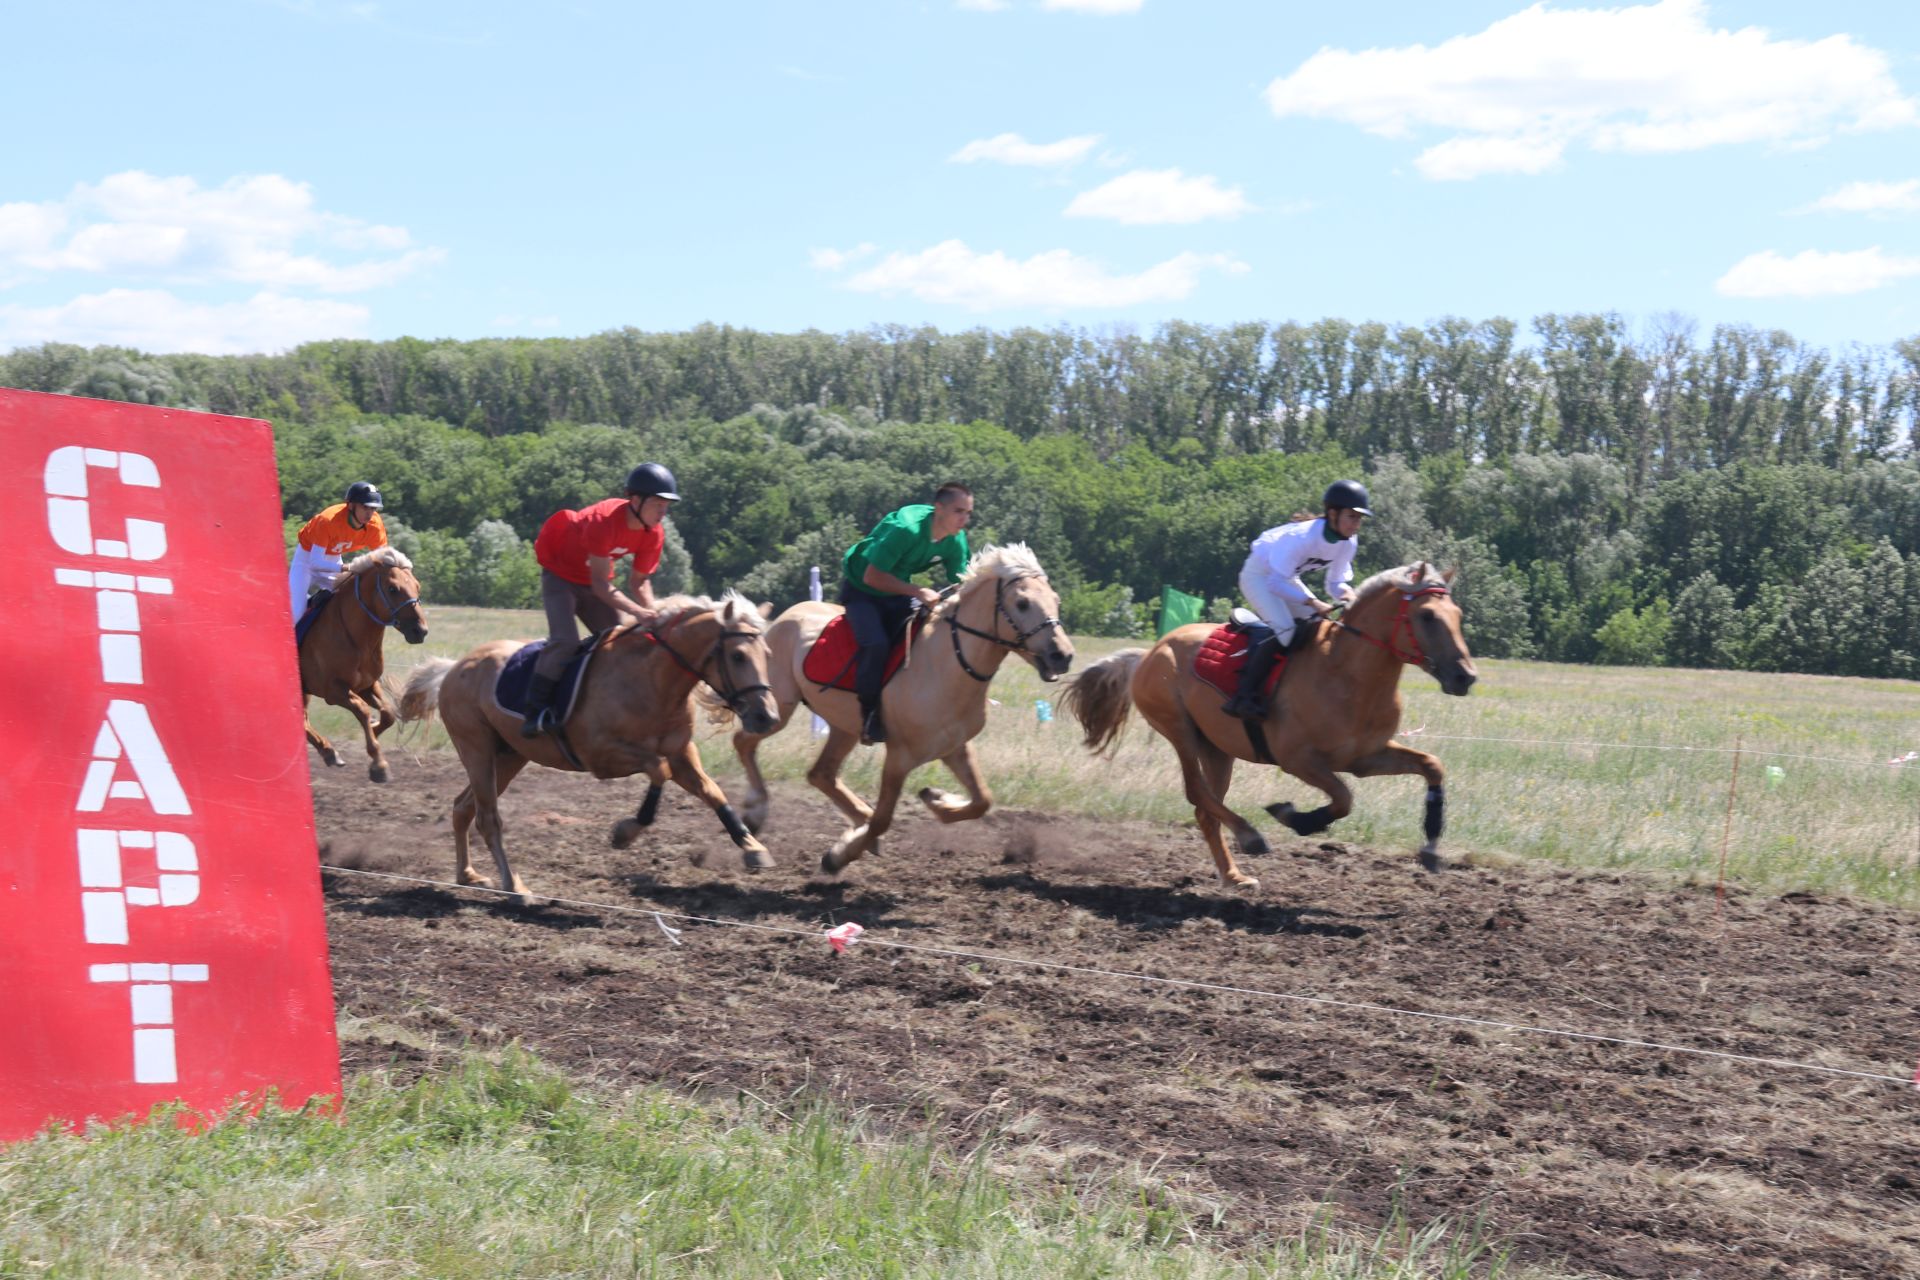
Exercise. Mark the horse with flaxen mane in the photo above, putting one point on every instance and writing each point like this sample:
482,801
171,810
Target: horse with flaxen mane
1335,710
633,714
934,707
341,659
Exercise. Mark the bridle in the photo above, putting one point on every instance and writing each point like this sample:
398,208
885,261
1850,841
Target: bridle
729,692
380,588
1016,645
1401,622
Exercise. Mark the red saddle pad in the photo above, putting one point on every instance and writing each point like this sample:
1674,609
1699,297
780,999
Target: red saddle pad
830,663
1221,657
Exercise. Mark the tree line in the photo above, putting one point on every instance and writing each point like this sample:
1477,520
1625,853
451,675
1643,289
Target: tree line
1742,501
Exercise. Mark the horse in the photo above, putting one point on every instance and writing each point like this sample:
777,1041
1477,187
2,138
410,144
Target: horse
340,656
1335,710
934,707
633,714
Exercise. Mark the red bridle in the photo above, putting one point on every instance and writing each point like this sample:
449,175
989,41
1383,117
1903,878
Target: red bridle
1401,622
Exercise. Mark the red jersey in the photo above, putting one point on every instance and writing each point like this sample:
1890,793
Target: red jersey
569,537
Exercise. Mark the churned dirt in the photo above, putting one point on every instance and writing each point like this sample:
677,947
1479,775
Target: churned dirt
1594,1157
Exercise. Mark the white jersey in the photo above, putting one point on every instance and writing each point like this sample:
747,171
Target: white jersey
1280,559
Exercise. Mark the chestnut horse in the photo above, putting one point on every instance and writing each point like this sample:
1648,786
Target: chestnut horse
633,714
934,706
340,657
1335,710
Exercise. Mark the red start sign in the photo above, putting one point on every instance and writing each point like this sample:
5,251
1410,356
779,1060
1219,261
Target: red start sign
161,930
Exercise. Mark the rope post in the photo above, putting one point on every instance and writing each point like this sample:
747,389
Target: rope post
1726,833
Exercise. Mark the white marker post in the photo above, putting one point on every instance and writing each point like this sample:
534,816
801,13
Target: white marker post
819,729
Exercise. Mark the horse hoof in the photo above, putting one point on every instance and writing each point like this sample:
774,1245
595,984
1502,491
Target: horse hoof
1243,882
334,760
475,880
1429,860
624,833
829,864
380,773
1253,845
753,820
756,860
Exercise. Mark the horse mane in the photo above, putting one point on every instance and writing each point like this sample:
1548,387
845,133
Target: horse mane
673,608
388,557
1014,560
1407,577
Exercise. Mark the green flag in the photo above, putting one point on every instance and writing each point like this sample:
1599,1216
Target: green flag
1177,609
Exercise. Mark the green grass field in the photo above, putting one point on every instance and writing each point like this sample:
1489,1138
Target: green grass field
504,1168
1816,806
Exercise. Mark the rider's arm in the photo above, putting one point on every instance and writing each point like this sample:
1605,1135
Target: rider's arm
880,580
640,586
600,574
1339,574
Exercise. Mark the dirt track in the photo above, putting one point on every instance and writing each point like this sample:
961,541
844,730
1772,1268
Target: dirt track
1620,1162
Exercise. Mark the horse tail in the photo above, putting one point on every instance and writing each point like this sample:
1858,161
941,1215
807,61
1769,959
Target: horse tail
1101,696
421,697
718,712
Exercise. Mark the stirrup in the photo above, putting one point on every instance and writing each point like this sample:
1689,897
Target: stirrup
1246,706
873,729
537,723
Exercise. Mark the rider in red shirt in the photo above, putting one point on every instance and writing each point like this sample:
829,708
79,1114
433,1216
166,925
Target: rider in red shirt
576,551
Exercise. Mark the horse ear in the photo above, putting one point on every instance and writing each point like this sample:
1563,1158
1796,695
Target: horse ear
766,608
1448,576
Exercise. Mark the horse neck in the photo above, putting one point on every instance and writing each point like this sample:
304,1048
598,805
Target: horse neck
1359,655
361,629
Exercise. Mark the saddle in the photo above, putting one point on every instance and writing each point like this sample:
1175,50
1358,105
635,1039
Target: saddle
510,687
1225,651
304,623
830,663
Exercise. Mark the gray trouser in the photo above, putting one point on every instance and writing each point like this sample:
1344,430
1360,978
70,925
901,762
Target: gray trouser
564,601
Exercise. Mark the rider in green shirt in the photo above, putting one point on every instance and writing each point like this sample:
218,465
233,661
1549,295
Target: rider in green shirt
878,592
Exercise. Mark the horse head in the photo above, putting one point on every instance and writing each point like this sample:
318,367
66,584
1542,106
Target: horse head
725,643
1025,610
384,587
1424,629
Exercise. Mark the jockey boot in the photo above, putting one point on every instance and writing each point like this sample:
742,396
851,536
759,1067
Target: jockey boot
1249,700
539,715
1303,633
873,729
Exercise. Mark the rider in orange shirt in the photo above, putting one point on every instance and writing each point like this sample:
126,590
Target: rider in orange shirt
343,528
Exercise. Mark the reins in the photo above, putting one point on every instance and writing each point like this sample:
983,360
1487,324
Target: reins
1401,622
729,692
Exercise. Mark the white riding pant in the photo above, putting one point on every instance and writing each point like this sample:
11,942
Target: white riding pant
1269,604
311,568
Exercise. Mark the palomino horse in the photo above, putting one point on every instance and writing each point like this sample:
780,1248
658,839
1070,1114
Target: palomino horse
340,657
1335,711
633,714
934,706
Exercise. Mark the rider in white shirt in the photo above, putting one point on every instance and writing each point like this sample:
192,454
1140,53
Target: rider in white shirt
1272,581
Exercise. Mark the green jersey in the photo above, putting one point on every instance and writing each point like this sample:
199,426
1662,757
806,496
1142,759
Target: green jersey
902,544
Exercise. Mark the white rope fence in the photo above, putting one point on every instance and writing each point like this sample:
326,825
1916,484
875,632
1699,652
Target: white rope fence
966,953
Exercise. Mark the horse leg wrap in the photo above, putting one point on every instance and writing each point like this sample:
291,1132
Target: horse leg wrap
649,806
735,828
1309,823
1436,812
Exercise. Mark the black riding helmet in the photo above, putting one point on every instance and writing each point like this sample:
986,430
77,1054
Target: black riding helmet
651,480
1346,495
365,494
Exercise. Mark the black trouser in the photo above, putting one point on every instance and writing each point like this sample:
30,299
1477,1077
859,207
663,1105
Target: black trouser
875,620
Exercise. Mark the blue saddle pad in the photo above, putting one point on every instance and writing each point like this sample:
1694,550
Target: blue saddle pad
510,690
304,623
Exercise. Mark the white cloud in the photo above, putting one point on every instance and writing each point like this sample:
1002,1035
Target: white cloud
1095,6
1814,273
953,274
155,320
1148,197
1011,148
1855,197
263,231
1645,78
835,259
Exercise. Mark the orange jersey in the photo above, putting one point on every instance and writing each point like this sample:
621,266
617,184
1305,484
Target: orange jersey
330,534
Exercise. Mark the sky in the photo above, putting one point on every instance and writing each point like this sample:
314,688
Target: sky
247,175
